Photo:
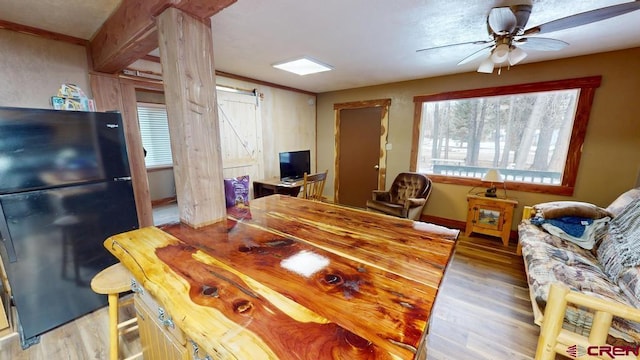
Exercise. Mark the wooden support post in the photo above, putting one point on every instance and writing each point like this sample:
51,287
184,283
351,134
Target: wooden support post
186,54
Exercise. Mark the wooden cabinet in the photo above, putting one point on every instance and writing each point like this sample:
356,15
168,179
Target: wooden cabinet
157,342
159,336
161,339
490,216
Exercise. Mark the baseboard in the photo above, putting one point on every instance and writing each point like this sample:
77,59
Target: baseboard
164,201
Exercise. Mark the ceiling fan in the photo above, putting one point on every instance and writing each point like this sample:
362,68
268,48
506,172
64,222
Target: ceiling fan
509,39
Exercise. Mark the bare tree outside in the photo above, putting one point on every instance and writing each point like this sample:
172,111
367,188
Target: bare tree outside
526,136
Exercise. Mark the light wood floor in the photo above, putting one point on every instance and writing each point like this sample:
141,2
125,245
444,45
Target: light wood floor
483,309
482,312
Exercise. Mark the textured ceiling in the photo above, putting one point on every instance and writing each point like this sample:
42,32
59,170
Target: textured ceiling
368,42
79,18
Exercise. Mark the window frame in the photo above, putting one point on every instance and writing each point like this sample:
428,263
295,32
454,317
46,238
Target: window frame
587,87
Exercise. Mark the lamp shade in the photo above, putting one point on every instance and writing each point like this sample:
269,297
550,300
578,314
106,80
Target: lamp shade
516,55
486,66
500,53
493,175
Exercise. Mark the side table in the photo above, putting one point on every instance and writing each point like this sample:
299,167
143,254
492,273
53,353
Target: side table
490,216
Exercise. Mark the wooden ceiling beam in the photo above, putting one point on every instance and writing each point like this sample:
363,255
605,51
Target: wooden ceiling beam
130,32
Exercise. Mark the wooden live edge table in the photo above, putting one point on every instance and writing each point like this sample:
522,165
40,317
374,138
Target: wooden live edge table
290,278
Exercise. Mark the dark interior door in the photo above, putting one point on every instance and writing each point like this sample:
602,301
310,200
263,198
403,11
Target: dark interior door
359,143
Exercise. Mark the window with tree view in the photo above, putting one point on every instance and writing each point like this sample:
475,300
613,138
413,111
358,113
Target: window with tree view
530,133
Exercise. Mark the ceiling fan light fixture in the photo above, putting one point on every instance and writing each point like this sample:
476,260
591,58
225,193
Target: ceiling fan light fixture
500,53
486,66
516,55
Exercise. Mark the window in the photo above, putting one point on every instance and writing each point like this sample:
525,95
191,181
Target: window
154,130
532,133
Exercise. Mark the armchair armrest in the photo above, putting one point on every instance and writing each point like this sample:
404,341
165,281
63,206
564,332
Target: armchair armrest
381,195
553,338
413,202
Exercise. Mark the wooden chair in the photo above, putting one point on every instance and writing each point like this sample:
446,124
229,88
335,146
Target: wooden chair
313,185
113,281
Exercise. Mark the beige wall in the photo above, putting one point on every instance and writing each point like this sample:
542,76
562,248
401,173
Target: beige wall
33,68
611,153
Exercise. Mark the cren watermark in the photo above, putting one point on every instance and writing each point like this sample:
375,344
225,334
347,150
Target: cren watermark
611,351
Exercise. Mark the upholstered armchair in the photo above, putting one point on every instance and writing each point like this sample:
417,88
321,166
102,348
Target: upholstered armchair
406,197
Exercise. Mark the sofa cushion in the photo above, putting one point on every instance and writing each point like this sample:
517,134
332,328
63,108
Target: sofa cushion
620,249
623,200
567,263
387,208
629,283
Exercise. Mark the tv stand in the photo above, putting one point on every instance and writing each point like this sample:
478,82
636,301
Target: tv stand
272,186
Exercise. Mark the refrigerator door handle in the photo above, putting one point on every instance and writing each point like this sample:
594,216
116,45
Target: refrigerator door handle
6,238
123,178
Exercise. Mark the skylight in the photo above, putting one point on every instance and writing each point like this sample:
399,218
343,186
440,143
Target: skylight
303,66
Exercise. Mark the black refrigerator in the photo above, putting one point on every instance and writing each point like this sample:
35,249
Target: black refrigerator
65,186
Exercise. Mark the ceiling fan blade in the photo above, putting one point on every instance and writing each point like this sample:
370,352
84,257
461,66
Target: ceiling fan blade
502,20
480,42
522,13
584,18
541,44
482,52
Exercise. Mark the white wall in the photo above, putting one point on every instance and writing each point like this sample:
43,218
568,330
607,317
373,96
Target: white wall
288,122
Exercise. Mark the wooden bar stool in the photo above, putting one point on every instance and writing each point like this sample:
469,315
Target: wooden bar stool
113,281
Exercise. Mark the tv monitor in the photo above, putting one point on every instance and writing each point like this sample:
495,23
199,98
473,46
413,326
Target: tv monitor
293,164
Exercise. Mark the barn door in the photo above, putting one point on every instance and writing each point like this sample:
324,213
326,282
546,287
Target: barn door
240,135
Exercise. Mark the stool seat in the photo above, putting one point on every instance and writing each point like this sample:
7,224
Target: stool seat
113,280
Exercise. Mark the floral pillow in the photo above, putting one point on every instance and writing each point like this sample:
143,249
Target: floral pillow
556,209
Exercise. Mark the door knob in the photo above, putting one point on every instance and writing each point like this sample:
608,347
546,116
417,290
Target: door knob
376,167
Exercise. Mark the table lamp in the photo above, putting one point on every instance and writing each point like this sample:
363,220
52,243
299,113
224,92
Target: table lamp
493,176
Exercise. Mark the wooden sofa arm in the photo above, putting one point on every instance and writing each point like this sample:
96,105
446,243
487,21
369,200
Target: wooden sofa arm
527,213
554,339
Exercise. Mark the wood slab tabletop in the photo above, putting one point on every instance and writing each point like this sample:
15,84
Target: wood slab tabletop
289,278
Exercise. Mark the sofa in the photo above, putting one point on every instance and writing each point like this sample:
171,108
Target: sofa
603,262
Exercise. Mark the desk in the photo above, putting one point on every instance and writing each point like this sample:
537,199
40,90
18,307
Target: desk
294,279
275,186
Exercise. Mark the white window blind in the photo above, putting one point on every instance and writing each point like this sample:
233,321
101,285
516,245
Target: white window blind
154,130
